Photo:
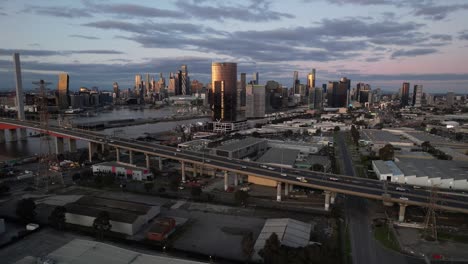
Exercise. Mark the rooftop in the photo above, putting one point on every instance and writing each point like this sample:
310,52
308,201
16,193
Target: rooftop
445,169
382,166
119,211
239,144
291,233
80,251
376,135
120,164
280,156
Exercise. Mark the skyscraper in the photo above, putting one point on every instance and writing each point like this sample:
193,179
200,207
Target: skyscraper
223,94
116,89
344,88
316,98
184,81
255,101
296,82
138,85
417,95
332,88
19,86
172,89
311,80
255,78
63,91
147,85
243,84
404,94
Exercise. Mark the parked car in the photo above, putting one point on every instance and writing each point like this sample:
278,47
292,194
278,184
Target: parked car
401,189
284,174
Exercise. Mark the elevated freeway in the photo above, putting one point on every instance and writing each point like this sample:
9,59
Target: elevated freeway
331,184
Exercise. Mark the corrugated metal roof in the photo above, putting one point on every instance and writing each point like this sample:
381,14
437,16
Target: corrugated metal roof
280,156
80,251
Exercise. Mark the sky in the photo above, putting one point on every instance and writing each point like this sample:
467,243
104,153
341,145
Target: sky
380,42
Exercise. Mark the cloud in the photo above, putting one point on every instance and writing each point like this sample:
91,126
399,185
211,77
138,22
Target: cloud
83,36
443,37
463,35
46,53
258,11
437,12
58,11
132,10
413,52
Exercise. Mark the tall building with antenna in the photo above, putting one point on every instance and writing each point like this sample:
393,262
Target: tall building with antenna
19,86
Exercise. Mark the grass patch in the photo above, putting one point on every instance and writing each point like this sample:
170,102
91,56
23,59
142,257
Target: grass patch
386,237
452,237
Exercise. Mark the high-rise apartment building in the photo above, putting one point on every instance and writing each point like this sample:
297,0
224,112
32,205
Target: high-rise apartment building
337,93
138,85
223,94
243,85
296,83
255,101
417,95
316,98
63,91
404,94
173,85
148,87
450,98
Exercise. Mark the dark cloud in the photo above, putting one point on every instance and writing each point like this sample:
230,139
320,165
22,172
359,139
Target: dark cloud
258,11
373,59
413,52
437,12
443,37
463,35
132,10
83,36
46,53
58,11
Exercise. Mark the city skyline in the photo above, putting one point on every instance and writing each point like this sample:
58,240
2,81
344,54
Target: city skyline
384,43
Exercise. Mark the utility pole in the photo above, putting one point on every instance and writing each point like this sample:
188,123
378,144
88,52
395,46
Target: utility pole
430,225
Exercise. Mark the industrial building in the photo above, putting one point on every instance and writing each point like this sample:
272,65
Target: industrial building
87,251
240,149
446,174
291,233
377,139
129,171
280,157
125,217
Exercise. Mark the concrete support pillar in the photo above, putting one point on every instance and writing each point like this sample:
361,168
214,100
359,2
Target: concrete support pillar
401,215
332,198
327,201
236,178
92,147
182,168
291,187
130,157
23,134
241,179
13,135
147,157
278,191
117,154
226,180
72,145
286,189
59,148
160,164
103,148
194,167
2,136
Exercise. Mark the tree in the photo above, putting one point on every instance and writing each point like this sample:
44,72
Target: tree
387,152
336,129
318,167
426,145
25,210
459,136
247,245
241,197
433,131
196,191
149,186
355,134
57,217
318,132
102,224
288,133
271,251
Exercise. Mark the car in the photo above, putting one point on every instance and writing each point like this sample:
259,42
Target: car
263,166
404,198
208,160
284,174
401,189
175,154
271,168
333,179
229,159
181,187
178,150
416,187
243,167
303,179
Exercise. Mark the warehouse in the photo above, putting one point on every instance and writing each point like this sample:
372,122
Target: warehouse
125,217
240,149
448,174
